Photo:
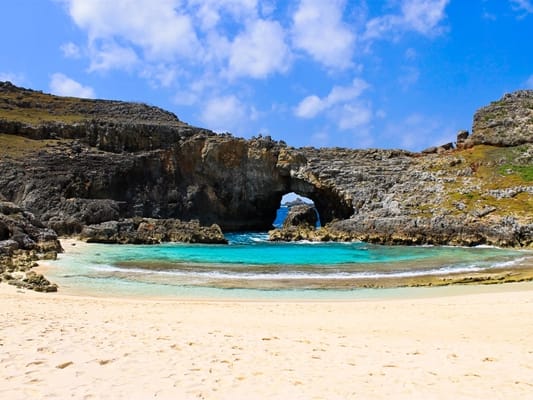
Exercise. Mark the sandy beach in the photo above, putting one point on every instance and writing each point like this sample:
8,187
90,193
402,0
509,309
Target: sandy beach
468,346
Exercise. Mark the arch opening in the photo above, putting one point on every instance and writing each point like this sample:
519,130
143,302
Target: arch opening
289,200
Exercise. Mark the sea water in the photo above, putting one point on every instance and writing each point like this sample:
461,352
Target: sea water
250,266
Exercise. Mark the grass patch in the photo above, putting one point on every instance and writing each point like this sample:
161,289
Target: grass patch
491,168
19,146
36,107
525,172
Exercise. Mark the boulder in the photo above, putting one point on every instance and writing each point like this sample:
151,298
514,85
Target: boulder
301,214
34,281
23,240
462,136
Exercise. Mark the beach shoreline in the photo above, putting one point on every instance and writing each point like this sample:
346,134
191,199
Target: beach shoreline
449,342
461,346
432,285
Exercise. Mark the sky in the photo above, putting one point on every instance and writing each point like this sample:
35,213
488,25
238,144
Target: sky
352,73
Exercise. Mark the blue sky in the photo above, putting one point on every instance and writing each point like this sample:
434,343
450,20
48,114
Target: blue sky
389,74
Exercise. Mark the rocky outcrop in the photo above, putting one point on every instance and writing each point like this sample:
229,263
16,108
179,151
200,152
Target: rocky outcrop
299,224
437,230
79,163
113,126
23,241
506,122
301,215
151,231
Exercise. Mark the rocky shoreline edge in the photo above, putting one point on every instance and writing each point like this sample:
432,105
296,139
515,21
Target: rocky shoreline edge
30,242
24,240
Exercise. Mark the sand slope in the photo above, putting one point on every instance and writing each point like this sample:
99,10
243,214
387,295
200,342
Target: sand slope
455,347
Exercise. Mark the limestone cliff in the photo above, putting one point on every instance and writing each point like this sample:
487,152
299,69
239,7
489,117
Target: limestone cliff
79,162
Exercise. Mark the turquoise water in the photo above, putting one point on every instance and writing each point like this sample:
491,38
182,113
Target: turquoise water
252,267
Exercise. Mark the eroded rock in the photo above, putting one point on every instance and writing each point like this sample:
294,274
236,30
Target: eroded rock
152,231
506,122
24,240
91,162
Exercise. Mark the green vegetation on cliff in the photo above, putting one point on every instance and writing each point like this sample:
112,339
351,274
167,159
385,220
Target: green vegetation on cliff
41,108
488,180
18,146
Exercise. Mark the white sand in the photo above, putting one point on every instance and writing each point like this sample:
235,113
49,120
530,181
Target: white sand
476,346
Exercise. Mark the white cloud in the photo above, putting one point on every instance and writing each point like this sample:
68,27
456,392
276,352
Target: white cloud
313,105
70,50
268,7
112,56
210,12
319,30
351,116
259,51
342,106
224,114
15,79
422,16
62,85
529,82
155,26
160,75
523,5
310,107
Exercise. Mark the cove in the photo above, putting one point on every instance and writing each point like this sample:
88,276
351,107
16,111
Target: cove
252,267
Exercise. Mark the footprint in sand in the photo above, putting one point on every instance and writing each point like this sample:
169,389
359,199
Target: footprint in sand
64,365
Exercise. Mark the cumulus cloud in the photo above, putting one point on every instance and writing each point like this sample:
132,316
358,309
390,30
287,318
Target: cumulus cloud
211,12
259,51
112,56
70,50
62,85
351,116
154,26
319,30
15,79
313,105
342,106
421,16
310,107
200,49
223,114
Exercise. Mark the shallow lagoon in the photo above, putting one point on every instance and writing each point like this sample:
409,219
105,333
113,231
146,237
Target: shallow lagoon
252,267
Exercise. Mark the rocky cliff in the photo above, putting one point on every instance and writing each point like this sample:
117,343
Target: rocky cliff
75,163
23,240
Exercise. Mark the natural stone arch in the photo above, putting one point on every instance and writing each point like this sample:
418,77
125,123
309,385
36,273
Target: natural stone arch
295,199
328,203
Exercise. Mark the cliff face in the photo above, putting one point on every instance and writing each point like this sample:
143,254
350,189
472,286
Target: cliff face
506,122
78,162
